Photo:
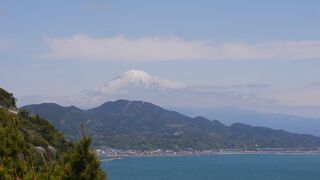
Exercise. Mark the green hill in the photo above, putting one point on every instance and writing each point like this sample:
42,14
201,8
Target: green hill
140,125
31,148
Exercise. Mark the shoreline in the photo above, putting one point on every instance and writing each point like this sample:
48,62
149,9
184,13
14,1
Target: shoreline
118,157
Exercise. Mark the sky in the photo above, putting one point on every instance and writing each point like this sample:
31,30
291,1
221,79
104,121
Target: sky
61,48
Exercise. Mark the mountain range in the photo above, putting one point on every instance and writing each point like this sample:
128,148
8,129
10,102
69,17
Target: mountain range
288,122
139,85
127,124
225,103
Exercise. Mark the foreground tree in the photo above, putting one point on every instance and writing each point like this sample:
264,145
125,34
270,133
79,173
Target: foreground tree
82,163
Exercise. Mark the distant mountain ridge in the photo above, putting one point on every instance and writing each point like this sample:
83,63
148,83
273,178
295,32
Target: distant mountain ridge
140,125
228,116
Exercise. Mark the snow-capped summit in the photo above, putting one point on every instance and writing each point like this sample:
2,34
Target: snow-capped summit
138,79
137,76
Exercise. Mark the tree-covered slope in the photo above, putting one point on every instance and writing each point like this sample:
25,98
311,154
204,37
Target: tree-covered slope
6,99
31,148
140,125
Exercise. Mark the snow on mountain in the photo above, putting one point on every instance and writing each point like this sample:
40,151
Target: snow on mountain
138,79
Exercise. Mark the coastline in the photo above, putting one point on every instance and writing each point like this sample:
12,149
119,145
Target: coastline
110,157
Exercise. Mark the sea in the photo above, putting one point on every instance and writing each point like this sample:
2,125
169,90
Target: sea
216,167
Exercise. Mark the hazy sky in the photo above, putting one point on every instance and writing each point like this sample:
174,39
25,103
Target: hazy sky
59,48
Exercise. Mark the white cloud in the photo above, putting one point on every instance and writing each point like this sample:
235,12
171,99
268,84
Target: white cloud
120,48
146,49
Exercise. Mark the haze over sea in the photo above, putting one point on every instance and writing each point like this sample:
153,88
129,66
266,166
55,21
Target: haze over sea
218,167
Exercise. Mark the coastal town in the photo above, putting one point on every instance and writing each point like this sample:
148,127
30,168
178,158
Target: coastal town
106,153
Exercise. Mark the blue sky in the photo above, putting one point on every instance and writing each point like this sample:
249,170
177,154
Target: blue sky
58,48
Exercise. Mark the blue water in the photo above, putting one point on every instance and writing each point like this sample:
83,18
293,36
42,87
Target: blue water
218,167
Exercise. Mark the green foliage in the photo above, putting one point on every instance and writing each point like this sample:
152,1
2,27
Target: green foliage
81,163
31,148
6,99
16,156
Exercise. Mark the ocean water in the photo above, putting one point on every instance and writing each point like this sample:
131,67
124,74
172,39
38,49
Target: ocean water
217,167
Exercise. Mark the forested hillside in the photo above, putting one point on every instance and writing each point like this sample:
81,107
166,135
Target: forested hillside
140,125
31,148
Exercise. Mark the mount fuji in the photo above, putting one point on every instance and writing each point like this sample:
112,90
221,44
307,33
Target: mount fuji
138,80
137,85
